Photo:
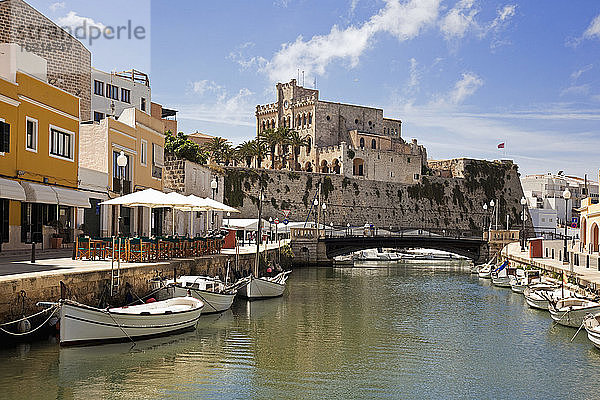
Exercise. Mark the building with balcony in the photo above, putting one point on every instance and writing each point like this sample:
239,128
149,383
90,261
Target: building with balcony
113,92
140,137
342,138
39,153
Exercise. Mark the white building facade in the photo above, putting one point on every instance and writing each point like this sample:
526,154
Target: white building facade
113,92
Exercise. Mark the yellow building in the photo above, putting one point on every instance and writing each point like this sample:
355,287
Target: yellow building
39,153
140,137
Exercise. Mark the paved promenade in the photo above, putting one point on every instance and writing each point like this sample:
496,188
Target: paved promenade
585,276
19,264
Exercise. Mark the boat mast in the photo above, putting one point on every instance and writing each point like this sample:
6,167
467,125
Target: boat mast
258,230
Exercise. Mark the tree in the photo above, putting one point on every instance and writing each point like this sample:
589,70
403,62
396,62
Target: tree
247,151
180,146
271,139
296,142
283,135
217,148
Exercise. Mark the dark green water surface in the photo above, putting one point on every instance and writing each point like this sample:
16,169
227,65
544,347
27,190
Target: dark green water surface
399,332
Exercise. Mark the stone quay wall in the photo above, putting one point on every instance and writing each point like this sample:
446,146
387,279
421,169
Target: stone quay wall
91,285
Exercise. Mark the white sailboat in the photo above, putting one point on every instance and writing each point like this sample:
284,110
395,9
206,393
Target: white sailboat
216,296
82,324
501,276
571,311
264,287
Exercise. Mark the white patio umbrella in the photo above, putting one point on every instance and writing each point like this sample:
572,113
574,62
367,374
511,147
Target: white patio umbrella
218,206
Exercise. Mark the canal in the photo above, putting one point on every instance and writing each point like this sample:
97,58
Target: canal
407,331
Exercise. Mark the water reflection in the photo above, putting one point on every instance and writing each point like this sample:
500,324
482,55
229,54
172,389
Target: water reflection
424,332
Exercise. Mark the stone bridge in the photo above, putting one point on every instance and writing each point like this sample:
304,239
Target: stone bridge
312,247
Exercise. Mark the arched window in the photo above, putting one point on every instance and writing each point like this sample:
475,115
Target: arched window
362,143
373,144
289,121
268,124
299,121
283,122
309,146
309,119
273,123
264,125
304,120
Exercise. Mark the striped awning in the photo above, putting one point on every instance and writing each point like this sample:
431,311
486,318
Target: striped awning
11,190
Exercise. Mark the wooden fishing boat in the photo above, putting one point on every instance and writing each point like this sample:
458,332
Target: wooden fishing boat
538,296
571,311
263,287
524,278
591,323
82,324
216,296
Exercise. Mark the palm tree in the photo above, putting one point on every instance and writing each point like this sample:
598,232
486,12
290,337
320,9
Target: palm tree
247,151
271,139
217,148
284,141
297,143
259,149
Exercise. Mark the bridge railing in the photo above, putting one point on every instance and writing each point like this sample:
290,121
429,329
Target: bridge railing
399,231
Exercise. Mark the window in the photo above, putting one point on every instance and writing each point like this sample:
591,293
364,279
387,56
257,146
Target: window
31,132
98,116
143,104
99,88
112,91
362,143
416,177
328,118
4,137
408,160
61,143
373,144
157,160
309,118
119,172
144,152
125,95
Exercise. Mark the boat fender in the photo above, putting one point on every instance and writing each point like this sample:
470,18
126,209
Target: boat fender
151,300
189,293
24,326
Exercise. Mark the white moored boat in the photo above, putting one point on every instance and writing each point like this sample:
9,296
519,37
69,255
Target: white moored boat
216,296
524,278
82,324
571,311
591,323
501,276
485,272
262,288
537,296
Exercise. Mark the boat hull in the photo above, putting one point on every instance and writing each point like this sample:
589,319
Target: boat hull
261,288
80,324
213,302
592,327
572,317
502,281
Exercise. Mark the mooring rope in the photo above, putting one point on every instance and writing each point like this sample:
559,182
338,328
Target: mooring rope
55,308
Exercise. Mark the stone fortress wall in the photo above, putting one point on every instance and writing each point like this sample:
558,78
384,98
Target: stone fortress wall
453,202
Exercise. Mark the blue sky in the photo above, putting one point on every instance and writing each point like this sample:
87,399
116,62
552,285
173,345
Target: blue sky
462,75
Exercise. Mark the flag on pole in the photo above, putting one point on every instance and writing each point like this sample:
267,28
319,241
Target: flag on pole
501,145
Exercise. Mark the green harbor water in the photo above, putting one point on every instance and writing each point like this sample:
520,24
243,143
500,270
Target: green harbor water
407,331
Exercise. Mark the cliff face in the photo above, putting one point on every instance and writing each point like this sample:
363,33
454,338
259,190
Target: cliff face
451,202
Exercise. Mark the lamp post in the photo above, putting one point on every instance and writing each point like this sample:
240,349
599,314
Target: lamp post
348,229
523,203
493,205
271,228
122,163
316,208
228,218
213,185
485,207
566,195
324,207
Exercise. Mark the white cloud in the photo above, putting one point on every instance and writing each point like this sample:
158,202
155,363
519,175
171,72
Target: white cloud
576,90
459,20
282,3
204,86
402,20
222,107
576,74
414,76
74,21
502,17
593,31
465,87
55,6
238,56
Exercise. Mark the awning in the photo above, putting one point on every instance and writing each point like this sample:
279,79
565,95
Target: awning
11,190
37,193
72,198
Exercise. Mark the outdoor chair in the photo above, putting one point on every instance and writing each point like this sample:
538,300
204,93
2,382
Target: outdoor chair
83,248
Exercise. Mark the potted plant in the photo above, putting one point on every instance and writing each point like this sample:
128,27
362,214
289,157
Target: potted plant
56,239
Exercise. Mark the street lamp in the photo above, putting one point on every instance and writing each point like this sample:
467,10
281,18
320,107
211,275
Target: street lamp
316,204
324,206
228,218
271,228
213,185
122,163
485,207
348,229
493,206
566,195
523,203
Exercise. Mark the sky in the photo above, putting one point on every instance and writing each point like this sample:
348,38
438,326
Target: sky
463,76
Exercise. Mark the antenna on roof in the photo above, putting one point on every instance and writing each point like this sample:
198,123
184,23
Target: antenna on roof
302,78
315,82
298,74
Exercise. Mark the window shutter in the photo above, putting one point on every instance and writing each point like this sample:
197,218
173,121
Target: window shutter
158,156
4,205
5,137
